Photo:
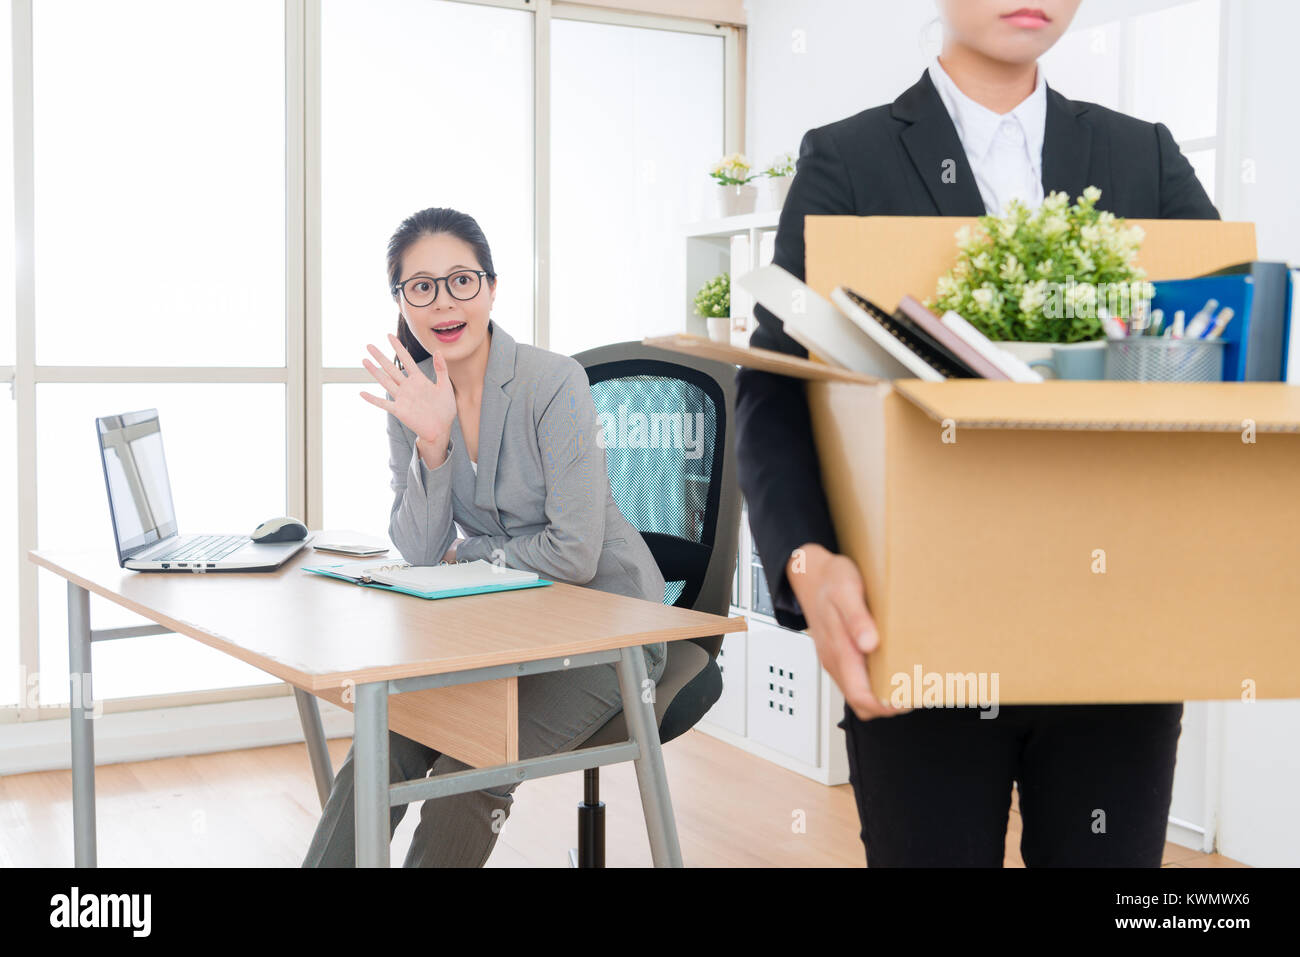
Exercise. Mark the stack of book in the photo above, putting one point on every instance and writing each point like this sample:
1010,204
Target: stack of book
853,333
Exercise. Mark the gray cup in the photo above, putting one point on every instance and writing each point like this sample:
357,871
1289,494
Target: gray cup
1075,360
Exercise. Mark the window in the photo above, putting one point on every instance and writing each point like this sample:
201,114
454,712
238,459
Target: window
7,328
357,495
1085,64
225,447
10,681
184,251
159,182
623,185
1181,41
159,241
1126,65
403,130
423,103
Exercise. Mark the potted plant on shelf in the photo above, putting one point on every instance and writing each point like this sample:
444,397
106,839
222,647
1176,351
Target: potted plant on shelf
1032,279
778,178
713,302
734,194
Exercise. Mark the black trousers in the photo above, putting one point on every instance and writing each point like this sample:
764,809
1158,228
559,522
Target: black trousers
933,785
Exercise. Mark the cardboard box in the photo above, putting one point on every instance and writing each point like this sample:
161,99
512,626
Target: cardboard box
1064,541
888,257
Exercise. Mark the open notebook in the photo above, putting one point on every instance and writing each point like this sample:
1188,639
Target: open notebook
433,581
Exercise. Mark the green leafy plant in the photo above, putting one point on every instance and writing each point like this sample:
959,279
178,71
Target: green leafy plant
1043,276
714,298
783,165
732,170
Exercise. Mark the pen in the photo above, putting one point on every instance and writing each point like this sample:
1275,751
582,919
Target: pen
1220,324
1138,325
1178,324
1157,318
1202,320
1113,328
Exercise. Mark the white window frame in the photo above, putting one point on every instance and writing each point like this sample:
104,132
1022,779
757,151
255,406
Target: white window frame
1127,90
303,374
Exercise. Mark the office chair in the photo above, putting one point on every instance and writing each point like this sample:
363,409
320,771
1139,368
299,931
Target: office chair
674,480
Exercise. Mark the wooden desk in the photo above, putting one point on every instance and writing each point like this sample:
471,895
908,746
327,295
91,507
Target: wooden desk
451,665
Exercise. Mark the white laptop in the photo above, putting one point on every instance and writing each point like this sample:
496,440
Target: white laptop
140,501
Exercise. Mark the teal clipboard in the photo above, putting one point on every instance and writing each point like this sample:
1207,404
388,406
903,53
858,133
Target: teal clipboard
444,593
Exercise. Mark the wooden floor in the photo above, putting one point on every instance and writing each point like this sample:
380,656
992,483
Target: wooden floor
259,808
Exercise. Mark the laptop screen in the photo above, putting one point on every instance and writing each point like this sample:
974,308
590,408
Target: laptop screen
139,493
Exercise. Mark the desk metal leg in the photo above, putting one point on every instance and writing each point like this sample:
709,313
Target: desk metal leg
370,774
650,774
81,714
313,732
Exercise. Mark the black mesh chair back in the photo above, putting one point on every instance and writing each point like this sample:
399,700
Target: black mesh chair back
665,432
667,427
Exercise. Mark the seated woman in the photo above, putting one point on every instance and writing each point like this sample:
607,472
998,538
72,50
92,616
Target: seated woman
499,439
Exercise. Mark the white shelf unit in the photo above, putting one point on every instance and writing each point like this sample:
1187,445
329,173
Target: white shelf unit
777,701
708,253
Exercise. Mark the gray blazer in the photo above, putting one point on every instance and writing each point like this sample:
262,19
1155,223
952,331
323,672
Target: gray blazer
541,500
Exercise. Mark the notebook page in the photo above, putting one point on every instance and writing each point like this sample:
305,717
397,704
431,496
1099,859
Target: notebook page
431,578
355,571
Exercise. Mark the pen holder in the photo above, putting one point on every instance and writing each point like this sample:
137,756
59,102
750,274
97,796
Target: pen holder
1165,360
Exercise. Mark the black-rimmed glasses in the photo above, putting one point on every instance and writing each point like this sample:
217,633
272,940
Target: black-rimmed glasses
423,290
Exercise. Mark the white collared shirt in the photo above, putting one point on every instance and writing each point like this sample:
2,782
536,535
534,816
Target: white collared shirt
1005,151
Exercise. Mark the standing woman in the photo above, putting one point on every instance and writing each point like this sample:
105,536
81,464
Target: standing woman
933,786
499,439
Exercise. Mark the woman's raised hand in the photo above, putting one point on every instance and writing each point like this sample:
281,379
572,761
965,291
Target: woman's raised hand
424,406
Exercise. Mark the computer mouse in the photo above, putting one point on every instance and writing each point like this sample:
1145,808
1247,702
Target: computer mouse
279,530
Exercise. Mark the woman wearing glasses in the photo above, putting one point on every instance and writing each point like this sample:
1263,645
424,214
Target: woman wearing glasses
499,439
933,786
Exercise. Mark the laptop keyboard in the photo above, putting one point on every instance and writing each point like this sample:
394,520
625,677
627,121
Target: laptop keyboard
203,548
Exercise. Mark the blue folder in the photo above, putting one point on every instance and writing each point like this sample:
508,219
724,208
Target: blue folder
328,571
1256,336
1234,292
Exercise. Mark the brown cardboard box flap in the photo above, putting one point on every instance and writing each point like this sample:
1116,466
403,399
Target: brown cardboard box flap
766,360
1109,406
1055,404
887,257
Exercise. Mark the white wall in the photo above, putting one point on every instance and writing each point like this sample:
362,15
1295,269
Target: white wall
1259,798
1239,765
856,54
1262,137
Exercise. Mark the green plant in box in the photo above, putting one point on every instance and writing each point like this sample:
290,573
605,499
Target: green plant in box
1042,276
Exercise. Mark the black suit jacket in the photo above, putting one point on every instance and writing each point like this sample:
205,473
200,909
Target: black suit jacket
890,161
